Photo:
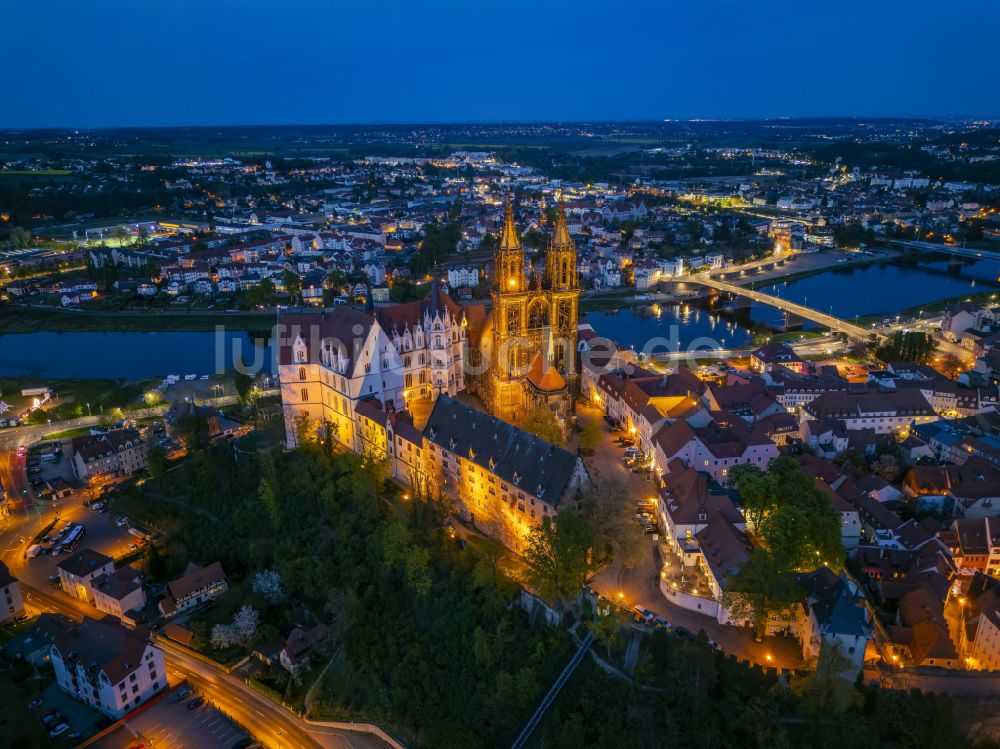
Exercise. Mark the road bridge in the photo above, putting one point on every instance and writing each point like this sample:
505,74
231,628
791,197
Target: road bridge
969,252
833,323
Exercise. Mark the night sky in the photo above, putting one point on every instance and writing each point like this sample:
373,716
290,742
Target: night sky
136,62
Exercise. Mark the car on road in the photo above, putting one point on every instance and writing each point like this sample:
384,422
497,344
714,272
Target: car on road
659,621
643,613
20,451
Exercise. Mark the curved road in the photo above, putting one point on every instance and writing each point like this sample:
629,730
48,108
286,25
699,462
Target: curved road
270,723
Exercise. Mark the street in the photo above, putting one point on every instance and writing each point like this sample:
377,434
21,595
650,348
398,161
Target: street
270,723
640,585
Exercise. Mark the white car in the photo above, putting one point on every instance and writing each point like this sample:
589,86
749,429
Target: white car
59,728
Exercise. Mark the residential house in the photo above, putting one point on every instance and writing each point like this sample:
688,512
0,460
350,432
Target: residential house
120,594
108,666
104,458
198,586
11,603
299,646
78,572
835,625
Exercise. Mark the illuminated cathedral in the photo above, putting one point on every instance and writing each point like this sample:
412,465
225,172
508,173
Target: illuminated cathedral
529,340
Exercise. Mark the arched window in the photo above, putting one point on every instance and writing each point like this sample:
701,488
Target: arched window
406,361
305,394
564,275
538,315
300,356
302,373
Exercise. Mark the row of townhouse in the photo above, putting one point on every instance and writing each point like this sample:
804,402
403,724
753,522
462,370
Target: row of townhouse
884,411
108,457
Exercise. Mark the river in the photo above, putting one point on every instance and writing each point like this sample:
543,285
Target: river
128,356
881,289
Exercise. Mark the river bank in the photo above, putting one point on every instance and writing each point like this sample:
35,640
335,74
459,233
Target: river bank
23,320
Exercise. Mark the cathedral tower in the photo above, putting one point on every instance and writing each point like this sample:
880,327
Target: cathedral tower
533,327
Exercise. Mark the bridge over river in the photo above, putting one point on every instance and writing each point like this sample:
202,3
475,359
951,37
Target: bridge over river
833,323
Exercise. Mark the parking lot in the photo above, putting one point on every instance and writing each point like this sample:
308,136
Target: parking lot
174,724
82,720
49,468
101,534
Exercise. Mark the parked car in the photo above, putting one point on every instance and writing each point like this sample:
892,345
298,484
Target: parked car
34,703
683,632
53,580
51,718
183,692
58,729
196,702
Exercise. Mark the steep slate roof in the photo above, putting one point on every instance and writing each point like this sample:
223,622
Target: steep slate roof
516,456
104,644
838,404
95,446
830,599
342,324
688,493
409,314
724,547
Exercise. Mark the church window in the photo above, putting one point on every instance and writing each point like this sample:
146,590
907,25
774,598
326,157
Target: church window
538,315
305,394
302,373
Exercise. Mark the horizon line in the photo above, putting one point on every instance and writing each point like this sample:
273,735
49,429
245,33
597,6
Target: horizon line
940,118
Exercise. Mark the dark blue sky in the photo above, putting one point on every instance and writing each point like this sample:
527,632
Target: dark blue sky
177,62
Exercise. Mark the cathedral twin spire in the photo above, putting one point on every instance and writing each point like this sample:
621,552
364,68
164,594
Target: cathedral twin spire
509,261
